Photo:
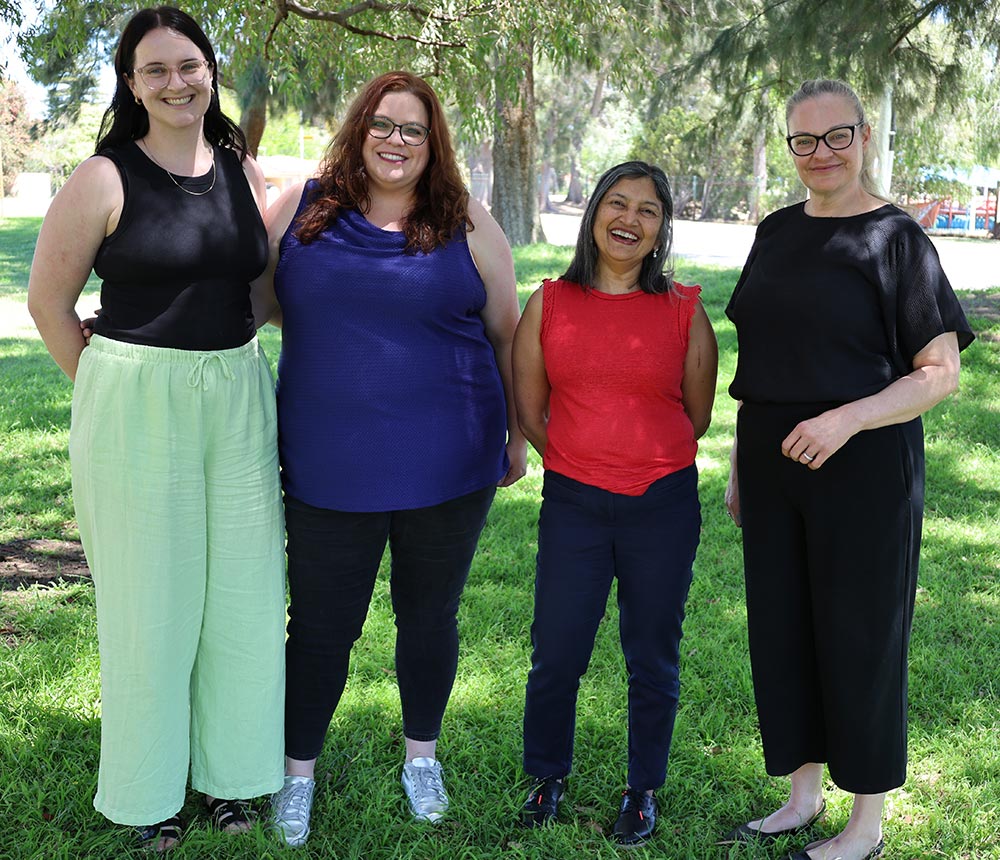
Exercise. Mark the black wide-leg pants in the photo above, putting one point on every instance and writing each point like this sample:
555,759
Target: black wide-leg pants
831,557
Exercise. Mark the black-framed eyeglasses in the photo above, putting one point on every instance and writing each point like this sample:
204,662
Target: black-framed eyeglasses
157,75
840,137
412,133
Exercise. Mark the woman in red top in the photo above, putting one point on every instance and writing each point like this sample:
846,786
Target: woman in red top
614,379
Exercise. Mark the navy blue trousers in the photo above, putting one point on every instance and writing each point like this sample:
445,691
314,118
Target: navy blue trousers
333,559
586,538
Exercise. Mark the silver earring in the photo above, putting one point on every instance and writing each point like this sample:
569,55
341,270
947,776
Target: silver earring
656,253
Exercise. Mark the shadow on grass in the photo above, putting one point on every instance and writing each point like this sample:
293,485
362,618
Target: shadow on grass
37,395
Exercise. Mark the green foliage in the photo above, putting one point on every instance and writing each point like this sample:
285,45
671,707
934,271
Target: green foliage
937,59
65,50
67,141
287,134
947,135
607,139
709,166
16,131
783,184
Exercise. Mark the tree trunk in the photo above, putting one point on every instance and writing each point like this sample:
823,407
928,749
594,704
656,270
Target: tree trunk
515,201
481,172
548,173
545,185
884,135
574,192
253,117
759,163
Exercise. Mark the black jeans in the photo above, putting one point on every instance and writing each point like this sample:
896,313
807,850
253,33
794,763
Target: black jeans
333,559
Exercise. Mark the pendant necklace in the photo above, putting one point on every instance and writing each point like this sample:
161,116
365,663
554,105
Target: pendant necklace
145,149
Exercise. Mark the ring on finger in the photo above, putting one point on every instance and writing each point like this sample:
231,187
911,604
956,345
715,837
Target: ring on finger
809,457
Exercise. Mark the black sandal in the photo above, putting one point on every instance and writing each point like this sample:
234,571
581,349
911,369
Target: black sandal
228,816
149,837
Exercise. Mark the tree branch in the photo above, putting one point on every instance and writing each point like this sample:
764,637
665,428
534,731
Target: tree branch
915,22
342,19
280,14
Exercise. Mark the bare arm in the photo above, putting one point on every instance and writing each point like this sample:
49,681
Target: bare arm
701,368
934,377
258,185
276,219
733,484
83,213
491,254
531,383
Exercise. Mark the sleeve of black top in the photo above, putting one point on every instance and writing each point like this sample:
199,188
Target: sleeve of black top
730,308
926,305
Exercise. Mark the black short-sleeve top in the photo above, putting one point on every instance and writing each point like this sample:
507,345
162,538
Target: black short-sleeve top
835,309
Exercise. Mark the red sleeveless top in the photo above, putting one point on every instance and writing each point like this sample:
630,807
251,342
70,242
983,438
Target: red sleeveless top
615,364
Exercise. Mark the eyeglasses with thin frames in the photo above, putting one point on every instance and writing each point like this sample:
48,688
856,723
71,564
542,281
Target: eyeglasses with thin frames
837,138
412,133
156,76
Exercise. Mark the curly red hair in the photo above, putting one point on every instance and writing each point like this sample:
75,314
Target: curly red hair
441,200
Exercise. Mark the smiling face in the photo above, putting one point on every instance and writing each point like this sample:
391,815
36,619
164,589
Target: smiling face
391,164
827,172
627,222
179,103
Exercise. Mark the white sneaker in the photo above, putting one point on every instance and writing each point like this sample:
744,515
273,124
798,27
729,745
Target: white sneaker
423,783
291,807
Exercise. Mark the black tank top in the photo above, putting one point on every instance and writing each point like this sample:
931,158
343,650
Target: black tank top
177,269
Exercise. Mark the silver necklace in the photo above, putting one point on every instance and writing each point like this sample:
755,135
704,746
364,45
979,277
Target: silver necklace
171,176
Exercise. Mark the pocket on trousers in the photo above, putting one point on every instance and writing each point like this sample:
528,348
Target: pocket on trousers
85,400
560,488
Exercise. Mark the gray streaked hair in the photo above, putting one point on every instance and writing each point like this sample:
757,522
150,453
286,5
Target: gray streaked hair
654,277
832,87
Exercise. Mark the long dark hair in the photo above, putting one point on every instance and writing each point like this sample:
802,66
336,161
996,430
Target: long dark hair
441,201
125,120
654,277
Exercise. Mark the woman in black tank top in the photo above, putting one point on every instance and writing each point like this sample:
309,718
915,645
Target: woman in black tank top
173,437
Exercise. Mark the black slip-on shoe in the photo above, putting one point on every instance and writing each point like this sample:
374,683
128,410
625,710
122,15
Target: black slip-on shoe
744,833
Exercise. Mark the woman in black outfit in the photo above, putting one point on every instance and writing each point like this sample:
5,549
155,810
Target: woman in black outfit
848,331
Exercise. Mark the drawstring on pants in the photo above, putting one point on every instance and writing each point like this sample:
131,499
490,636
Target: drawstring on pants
197,373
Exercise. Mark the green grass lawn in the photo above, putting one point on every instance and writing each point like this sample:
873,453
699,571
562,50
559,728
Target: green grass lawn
949,808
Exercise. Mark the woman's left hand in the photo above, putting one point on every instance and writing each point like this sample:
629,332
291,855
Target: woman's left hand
814,441
87,326
934,377
517,453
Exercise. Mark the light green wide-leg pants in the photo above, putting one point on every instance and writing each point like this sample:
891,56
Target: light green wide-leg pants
175,483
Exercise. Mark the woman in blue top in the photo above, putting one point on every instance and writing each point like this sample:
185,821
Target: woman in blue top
396,420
